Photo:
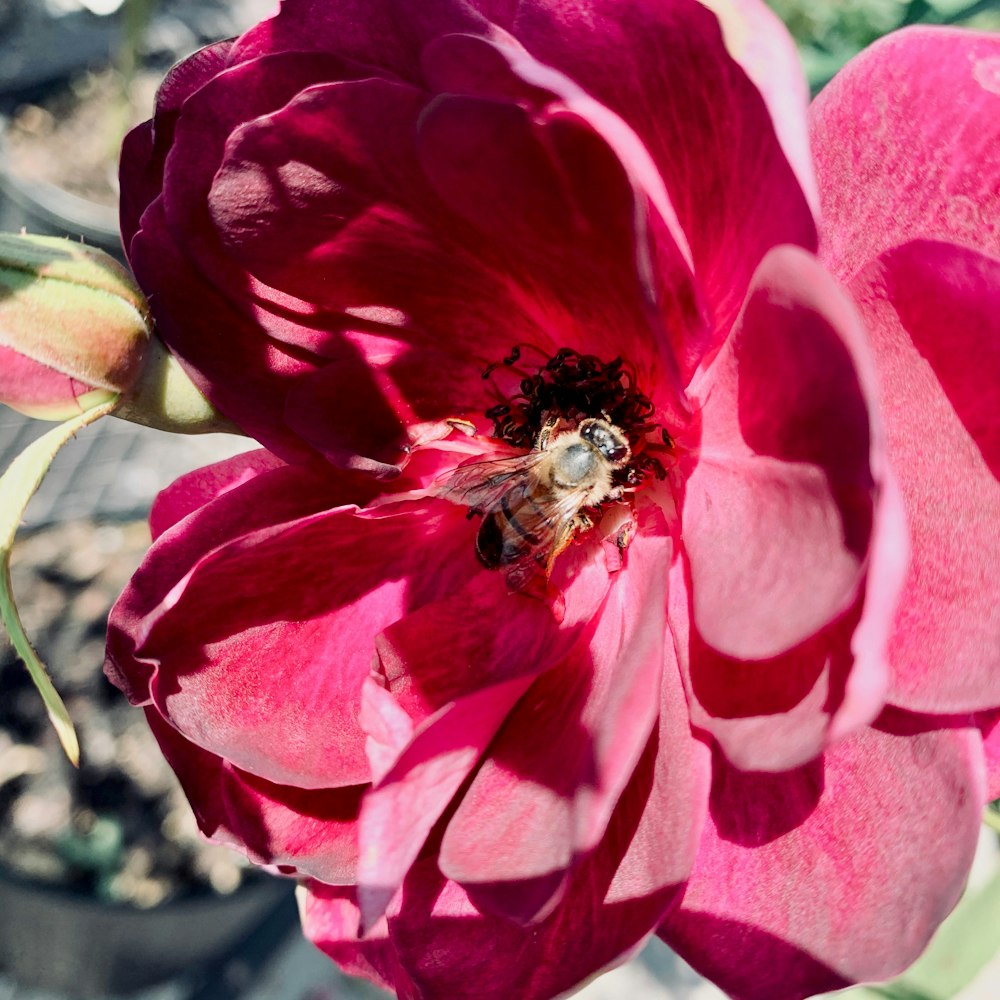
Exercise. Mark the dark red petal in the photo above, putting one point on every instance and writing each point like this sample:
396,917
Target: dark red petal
383,33
586,214
663,67
834,873
542,798
907,145
758,40
312,831
778,509
145,148
245,375
933,310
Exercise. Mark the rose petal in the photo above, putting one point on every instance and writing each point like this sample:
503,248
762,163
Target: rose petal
448,948
586,216
331,919
244,642
933,310
312,831
529,813
145,148
663,67
758,40
893,158
384,33
194,490
451,707
255,400
778,714
990,726
251,492
834,873
777,513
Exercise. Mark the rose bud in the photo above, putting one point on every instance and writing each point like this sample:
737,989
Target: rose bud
73,326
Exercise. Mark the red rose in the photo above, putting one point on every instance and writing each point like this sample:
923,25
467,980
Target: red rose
520,669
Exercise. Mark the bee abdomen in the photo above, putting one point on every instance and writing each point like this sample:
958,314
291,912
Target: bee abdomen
503,536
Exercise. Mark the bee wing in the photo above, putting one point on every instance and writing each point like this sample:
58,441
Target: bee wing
545,527
480,485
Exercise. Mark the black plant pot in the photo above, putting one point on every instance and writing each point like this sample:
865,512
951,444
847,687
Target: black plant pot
54,939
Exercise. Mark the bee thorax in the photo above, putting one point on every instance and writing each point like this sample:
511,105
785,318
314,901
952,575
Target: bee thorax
576,463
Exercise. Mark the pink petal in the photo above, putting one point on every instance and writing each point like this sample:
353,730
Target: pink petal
907,145
933,310
452,707
440,945
251,492
664,69
531,813
192,491
834,873
331,919
36,389
780,713
778,511
990,726
312,831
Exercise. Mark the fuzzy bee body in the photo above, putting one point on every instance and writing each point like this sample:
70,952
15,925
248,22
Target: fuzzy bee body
533,504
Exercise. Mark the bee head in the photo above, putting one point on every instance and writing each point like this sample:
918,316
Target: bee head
607,439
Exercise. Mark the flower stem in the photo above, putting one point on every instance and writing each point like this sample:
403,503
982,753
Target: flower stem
17,486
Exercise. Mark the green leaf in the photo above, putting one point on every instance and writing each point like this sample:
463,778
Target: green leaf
17,486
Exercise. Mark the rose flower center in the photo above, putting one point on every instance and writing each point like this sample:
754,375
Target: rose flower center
587,439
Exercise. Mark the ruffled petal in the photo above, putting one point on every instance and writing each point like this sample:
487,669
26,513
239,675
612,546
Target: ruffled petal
664,68
933,310
529,814
252,645
145,148
313,832
834,873
907,145
777,514
437,943
433,720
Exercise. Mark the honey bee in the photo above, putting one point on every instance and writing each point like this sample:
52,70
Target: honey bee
532,505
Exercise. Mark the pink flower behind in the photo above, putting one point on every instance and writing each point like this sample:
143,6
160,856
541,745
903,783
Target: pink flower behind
704,715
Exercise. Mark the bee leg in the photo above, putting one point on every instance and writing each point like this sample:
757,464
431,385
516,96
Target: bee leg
545,434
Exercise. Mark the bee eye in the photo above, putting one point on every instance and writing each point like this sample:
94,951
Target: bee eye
606,440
